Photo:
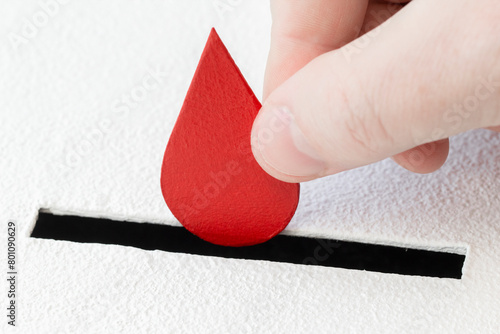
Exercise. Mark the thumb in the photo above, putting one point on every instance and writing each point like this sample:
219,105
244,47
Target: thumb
400,86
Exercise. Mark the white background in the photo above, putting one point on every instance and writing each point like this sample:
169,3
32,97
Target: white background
69,142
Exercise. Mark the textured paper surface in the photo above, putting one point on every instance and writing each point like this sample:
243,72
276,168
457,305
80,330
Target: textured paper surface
86,107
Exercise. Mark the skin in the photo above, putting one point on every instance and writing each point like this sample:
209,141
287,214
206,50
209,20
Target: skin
360,90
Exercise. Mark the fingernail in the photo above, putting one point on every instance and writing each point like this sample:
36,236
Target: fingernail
282,144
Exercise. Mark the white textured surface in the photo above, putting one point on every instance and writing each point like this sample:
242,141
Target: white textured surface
67,143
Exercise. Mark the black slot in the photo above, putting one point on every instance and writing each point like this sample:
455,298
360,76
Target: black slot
289,249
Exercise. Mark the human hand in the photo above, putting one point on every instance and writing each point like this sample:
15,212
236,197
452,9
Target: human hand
334,101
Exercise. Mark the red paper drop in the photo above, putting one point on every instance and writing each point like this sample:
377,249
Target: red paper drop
210,179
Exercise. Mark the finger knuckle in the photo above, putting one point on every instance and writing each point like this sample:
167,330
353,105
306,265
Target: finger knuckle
365,127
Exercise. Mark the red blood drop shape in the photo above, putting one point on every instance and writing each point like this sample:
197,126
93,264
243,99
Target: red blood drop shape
210,179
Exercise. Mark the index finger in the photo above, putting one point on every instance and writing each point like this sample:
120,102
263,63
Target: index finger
305,29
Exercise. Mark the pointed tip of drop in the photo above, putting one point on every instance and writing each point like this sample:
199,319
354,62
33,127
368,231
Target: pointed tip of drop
215,46
214,53
216,49
213,35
